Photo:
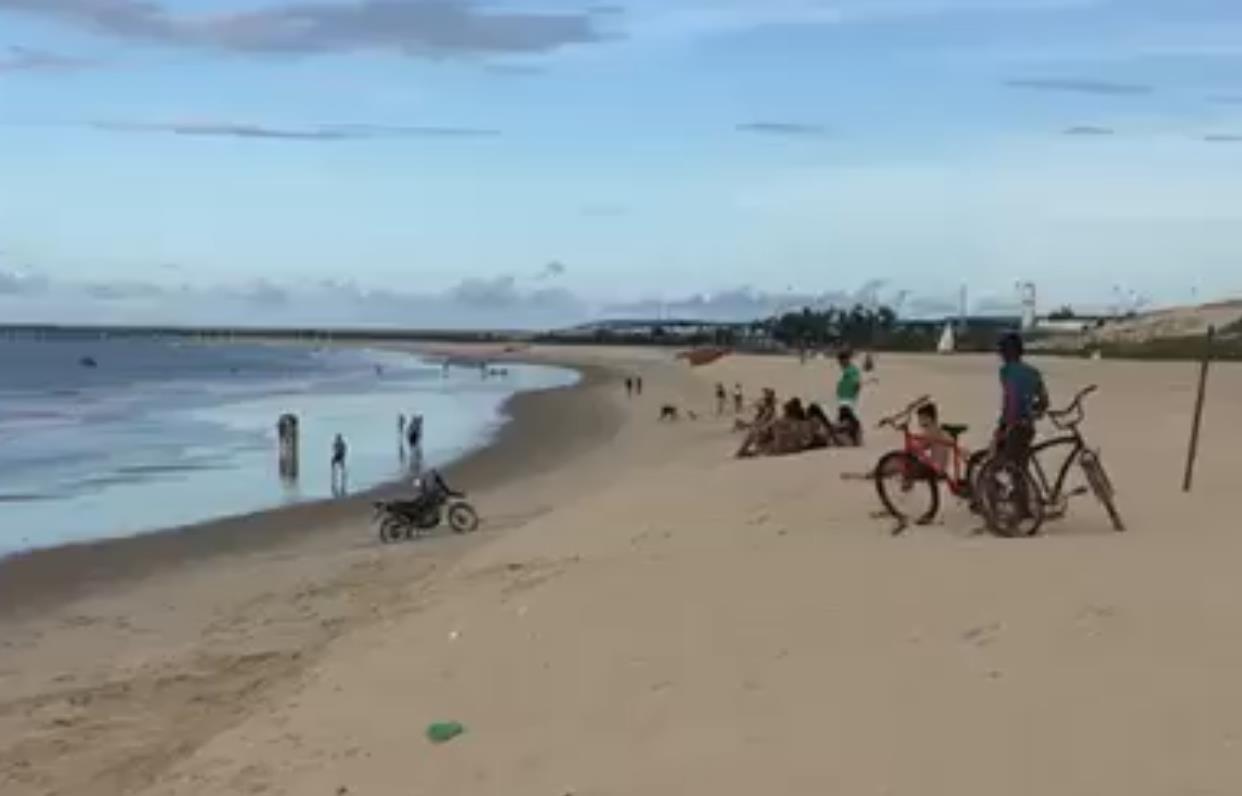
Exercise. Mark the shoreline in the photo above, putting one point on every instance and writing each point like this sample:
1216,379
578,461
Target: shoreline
38,578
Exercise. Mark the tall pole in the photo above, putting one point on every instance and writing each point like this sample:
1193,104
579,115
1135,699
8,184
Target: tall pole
1193,450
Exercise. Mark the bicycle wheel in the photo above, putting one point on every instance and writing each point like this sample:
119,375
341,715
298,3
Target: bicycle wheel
463,518
907,488
974,467
1101,487
1010,499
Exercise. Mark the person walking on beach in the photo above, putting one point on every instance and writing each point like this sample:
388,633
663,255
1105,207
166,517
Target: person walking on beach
638,385
739,399
340,474
721,399
629,387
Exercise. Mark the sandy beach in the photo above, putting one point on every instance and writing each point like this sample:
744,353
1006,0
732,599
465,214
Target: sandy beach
642,613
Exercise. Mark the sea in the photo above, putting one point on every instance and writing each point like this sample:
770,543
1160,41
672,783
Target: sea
108,436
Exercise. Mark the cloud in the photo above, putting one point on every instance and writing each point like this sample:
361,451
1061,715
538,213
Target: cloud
787,129
24,59
1088,131
930,306
998,305
552,270
21,283
1223,138
123,290
1080,86
330,132
404,27
739,304
472,303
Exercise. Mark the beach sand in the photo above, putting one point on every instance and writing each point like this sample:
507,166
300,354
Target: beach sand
645,614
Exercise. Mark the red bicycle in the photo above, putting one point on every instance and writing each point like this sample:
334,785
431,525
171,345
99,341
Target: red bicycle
908,480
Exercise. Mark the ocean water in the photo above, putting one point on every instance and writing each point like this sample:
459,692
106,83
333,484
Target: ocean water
161,433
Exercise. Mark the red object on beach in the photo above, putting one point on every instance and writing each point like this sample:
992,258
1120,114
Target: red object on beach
703,356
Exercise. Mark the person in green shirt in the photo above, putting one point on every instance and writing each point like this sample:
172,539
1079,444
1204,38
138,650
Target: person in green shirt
849,387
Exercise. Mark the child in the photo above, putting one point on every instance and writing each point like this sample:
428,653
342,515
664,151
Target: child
933,440
849,387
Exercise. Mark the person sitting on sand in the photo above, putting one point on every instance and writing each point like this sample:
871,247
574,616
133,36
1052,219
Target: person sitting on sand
820,430
765,412
788,434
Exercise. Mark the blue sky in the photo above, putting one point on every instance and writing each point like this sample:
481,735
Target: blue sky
533,162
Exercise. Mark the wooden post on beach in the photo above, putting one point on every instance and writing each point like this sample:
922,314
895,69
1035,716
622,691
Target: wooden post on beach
1193,450
287,432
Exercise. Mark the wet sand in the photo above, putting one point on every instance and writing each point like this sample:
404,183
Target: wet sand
645,614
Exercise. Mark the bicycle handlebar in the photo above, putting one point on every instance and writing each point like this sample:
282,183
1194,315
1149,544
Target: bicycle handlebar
1074,411
892,419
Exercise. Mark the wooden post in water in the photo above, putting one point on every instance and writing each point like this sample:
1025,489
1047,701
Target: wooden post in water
1196,424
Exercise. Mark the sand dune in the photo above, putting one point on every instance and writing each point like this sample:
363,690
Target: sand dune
1174,322
656,617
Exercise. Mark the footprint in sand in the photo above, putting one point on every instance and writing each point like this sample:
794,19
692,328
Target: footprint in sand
1094,619
983,635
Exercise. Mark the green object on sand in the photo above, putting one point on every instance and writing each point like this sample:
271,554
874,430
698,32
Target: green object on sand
443,732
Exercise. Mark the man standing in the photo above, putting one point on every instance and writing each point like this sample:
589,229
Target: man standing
1024,398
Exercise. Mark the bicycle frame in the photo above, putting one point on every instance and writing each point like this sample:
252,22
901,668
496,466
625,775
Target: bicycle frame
920,446
1053,493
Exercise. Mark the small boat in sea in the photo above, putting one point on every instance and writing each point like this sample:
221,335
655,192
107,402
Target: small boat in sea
88,362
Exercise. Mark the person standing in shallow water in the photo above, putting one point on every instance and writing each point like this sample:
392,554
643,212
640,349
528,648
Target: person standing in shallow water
340,471
414,436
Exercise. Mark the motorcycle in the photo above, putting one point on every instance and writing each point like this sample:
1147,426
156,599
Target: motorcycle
408,519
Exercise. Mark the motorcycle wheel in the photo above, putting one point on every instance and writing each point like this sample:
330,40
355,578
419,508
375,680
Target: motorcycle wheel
392,529
463,518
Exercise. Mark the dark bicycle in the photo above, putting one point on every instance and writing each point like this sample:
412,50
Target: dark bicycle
1012,514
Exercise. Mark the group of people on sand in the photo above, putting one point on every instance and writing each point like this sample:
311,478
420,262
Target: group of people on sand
799,426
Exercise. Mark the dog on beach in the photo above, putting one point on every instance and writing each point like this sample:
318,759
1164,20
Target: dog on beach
669,413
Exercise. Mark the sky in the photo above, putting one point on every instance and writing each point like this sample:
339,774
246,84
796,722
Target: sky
539,162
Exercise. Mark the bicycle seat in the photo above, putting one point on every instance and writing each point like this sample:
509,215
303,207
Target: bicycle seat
955,430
